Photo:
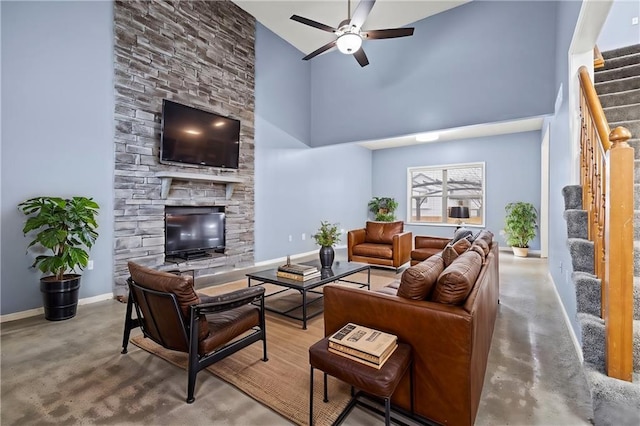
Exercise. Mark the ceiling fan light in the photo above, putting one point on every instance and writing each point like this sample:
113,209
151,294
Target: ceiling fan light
349,43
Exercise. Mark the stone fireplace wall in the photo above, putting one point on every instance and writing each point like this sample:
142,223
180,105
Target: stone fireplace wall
201,54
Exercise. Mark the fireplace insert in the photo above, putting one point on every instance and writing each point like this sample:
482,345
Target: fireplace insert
192,232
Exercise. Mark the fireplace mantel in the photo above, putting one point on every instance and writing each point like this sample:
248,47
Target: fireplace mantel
167,178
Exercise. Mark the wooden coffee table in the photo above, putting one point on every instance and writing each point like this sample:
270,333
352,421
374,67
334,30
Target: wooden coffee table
309,290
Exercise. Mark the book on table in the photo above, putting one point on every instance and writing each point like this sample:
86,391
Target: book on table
297,277
297,268
364,343
377,365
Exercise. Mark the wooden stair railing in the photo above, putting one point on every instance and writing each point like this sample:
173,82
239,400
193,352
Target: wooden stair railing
606,174
598,60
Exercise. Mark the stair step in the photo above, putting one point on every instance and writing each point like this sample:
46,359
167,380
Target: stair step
588,293
620,61
627,97
617,73
621,51
572,195
636,345
576,223
593,341
615,86
635,144
636,298
581,251
623,113
615,402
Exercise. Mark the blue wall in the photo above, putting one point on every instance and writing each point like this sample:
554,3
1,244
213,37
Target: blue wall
480,62
617,30
560,165
512,173
57,130
296,186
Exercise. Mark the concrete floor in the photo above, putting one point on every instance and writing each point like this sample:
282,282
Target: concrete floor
72,372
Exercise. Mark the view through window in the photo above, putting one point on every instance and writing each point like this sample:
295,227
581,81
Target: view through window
450,194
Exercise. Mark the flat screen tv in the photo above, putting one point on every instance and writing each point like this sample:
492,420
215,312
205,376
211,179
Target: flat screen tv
193,234
193,136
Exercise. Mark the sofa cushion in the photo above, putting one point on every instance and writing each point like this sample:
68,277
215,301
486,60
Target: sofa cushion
382,232
456,281
417,281
452,251
479,250
486,236
424,253
381,251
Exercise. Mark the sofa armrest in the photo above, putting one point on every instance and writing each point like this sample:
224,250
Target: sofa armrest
431,242
402,245
354,238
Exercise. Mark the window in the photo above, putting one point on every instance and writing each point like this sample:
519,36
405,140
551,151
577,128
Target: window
446,194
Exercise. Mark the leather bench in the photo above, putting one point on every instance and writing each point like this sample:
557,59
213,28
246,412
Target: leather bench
380,383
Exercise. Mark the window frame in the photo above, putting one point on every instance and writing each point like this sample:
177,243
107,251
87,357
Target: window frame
445,199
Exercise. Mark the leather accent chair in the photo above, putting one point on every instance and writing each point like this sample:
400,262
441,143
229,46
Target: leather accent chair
172,314
426,246
380,243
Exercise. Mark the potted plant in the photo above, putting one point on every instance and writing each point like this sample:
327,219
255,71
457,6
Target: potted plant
520,226
383,208
66,229
326,237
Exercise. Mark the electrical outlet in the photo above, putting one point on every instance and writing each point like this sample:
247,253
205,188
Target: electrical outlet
304,236
90,265
290,238
634,20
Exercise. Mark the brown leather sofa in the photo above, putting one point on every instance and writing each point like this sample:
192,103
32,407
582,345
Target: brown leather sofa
448,329
380,243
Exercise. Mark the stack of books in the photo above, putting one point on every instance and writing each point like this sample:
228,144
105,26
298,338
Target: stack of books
298,272
365,345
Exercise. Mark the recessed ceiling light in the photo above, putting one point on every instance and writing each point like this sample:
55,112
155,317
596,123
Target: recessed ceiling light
218,124
427,137
193,132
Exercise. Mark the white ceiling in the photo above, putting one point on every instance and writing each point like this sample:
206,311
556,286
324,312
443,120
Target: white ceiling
275,15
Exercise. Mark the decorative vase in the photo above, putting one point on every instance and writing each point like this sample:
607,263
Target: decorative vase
326,256
60,298
520,251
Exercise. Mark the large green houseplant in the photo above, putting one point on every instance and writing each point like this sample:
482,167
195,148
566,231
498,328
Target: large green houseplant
66,230
520,226
383,208
327,237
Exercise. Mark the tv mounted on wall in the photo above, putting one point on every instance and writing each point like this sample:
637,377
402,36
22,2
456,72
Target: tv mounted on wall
193,136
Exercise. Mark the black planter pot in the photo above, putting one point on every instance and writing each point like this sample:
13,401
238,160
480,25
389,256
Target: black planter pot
326,257
60,297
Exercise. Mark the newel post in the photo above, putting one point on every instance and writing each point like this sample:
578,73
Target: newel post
618,280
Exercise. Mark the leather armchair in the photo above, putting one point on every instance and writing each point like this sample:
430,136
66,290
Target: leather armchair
380,243
208,328
426,246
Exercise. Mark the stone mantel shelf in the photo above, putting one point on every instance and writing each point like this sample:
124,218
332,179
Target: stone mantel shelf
167,178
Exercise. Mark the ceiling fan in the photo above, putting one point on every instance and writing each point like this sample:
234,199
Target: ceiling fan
349,33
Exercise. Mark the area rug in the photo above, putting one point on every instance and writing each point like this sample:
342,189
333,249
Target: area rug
282,383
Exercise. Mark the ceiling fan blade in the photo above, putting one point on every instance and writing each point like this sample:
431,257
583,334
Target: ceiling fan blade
390,33
313,24
320,50
361,12
361,57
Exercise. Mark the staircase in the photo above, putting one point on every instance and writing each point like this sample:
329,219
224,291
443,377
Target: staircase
615,402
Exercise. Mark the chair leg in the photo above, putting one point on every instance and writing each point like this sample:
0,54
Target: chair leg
326,397
311,398
127,324
387,411
263,326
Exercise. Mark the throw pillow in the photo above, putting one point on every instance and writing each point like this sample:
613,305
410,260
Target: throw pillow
417,281
482,244
460,233
452,251
456,281
485,235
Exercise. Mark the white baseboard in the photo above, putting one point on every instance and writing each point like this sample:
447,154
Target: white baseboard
40,311
567,321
